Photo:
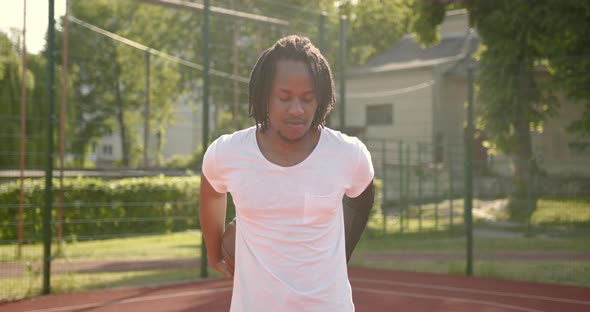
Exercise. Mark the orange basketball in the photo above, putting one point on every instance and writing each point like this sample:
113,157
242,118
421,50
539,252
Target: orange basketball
228,245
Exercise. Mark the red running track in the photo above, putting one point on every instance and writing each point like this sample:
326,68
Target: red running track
373,290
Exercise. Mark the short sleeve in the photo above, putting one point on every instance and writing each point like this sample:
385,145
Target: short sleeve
211,169
362,173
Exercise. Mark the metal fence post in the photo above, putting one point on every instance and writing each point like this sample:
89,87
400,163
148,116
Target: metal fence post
420,178
436,181
401,186
343,58
322,31
530,198
384,184
146,110
407,188
468,204
322,44
450,168
49,167
205,132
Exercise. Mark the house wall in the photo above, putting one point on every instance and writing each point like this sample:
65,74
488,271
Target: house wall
101,156
455,22
412,118
452,112
184,137
412,122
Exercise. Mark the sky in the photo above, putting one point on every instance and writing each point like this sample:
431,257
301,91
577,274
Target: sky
11,16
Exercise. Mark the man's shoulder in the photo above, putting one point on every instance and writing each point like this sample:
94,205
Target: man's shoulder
235,139
341,139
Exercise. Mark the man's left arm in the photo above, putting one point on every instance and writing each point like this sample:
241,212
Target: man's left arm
356,215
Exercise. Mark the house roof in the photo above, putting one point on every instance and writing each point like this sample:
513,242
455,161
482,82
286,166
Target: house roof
407,54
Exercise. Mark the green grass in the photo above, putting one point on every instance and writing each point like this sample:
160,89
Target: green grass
564,273
173,246
177,245
437,241
562,211
17,288
558,226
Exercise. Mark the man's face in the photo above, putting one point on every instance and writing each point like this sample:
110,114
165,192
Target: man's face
292,103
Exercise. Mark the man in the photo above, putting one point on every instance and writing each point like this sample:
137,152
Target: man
288,176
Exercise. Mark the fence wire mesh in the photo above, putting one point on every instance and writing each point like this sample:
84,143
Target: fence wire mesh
124,200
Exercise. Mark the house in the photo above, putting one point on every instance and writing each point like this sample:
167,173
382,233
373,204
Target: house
408,105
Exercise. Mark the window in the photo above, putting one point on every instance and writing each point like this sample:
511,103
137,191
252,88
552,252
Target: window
107,150
380,114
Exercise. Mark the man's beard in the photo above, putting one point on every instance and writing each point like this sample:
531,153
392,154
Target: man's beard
290,140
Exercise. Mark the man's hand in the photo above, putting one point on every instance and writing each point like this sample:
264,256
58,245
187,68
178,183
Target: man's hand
221,267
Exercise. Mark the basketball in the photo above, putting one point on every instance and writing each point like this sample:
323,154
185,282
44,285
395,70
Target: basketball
228,245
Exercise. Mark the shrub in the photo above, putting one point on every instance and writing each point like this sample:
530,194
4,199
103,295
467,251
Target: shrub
95,207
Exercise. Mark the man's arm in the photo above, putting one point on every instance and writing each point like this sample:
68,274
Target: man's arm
356,215
212,218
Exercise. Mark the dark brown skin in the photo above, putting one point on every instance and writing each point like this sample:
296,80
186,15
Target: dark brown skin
356,215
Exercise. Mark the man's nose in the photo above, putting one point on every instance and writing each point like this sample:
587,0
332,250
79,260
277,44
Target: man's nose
296,107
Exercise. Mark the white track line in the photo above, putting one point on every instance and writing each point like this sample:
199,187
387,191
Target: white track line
474,291
445,298
134,300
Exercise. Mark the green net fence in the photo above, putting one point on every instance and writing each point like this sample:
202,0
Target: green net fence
128,134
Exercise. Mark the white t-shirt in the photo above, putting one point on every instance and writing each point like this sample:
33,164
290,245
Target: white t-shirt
290,250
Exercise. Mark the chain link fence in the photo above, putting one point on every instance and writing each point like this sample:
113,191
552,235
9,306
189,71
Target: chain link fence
137,107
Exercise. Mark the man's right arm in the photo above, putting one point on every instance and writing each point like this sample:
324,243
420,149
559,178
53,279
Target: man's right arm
356,215
212,218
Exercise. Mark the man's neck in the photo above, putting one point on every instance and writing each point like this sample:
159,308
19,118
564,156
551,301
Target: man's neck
283,152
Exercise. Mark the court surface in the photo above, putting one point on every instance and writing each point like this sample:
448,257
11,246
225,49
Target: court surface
373,290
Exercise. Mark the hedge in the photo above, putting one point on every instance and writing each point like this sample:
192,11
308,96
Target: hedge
94,207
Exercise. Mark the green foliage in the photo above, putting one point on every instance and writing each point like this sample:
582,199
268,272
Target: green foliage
374,25
516,88
429,16
106,79
179,162
93,207
519,38
108,88
11,68
567,48
562,212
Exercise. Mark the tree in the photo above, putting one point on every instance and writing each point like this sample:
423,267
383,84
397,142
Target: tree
109,84
567,48
10,104
108,77
10,85
517,37
374,26
94,78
